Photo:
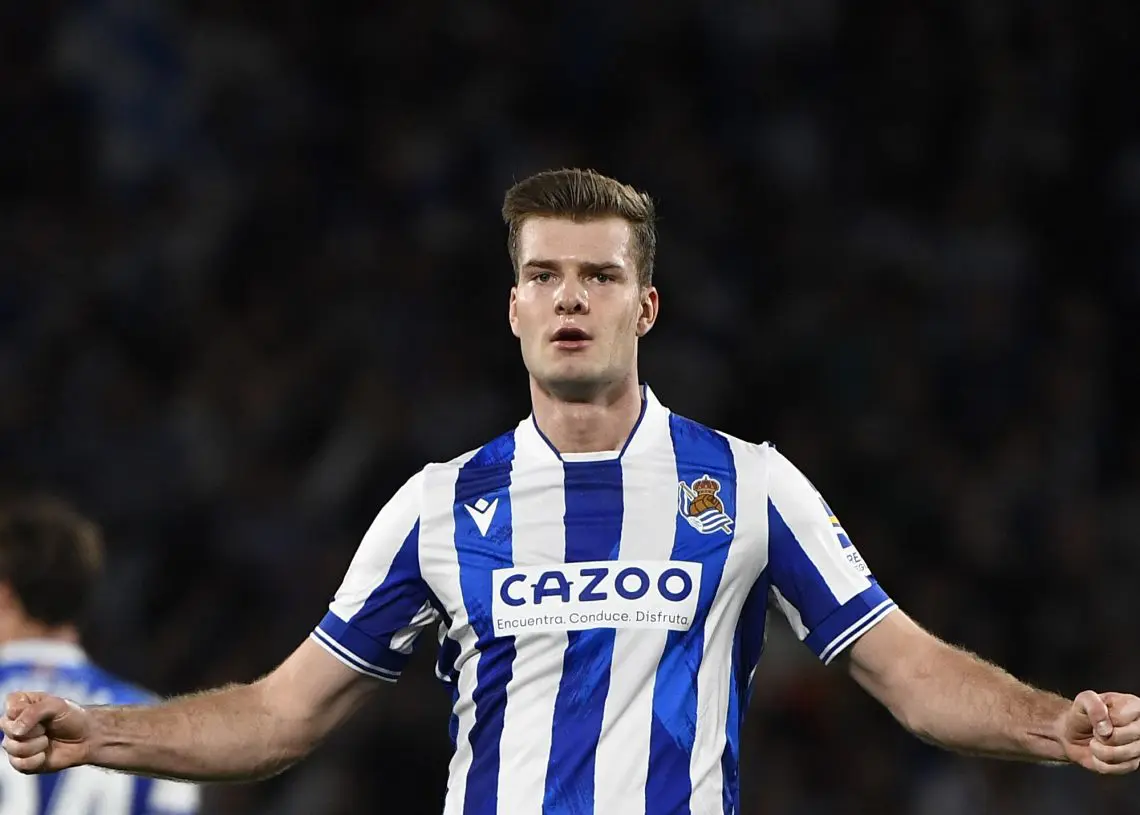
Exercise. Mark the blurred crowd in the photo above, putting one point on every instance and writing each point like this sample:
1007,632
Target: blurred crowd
252,277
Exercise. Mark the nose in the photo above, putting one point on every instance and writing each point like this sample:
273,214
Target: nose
571,297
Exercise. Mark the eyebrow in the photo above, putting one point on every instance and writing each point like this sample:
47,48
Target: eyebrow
589,266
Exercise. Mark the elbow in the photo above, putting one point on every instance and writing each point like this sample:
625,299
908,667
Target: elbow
911,717
904,699
290,734
903,706
905,668
903,688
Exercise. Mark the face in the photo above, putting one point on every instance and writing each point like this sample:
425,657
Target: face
577,308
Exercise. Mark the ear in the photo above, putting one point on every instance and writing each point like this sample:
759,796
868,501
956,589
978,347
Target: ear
650,303
513,311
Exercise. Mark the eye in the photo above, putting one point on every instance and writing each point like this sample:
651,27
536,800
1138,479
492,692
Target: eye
542,277
604,277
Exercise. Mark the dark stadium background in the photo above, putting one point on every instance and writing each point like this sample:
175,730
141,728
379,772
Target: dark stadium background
252,276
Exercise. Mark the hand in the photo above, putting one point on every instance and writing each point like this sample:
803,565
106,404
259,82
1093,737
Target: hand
44,733
1101,732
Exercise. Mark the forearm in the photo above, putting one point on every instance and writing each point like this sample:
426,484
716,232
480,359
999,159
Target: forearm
224,734
958,701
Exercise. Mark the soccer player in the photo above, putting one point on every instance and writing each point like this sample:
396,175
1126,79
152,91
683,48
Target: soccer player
599,576
50,560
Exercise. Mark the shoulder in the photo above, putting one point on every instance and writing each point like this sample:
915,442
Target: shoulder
498,450
686,430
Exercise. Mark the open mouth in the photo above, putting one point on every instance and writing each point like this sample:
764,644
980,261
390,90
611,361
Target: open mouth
570,336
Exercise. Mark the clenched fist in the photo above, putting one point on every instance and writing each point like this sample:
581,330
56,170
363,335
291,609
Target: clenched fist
43,733
1101,732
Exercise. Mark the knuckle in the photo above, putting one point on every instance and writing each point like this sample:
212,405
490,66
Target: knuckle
1118,756
28,764
22,749
1108,768
1121,736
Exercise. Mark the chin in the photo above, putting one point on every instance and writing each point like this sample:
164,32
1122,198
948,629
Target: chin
574,386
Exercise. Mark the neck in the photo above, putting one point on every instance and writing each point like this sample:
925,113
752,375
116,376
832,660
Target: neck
600,423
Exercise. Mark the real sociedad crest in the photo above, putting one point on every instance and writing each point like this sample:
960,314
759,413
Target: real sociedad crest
700,505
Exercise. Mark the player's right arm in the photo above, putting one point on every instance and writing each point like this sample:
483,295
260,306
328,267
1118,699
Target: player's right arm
240,732
250,731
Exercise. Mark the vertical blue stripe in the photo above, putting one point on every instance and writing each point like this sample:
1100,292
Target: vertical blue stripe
747,645
402,594
793,573
594,509
47,787
730,758
445,666
699,451
453,722
449,649
141,796
487,475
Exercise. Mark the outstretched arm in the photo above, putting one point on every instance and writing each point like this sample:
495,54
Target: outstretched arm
244,732
956,700
239,732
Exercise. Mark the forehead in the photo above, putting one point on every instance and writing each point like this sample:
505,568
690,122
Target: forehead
605,240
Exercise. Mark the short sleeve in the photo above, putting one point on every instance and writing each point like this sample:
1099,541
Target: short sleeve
818,579
383,603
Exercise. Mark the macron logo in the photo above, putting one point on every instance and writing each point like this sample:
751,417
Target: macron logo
482,514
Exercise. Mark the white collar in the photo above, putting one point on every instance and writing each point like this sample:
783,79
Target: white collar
55,653
649,428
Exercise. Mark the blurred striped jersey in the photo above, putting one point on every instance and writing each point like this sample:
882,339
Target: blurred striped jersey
600,615
64,670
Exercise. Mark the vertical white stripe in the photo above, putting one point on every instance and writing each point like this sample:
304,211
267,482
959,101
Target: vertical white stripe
538,507
747,557
439,562
802,510
649,482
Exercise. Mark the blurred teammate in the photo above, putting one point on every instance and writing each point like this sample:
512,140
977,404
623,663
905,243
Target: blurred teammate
50,561
600,575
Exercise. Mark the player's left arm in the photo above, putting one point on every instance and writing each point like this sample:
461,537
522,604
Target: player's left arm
941,693
952,698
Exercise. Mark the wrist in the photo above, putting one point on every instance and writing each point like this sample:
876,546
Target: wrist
97,745
1050,744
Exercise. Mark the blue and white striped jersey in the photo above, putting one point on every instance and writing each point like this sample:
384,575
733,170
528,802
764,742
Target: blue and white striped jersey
600,615
63,669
